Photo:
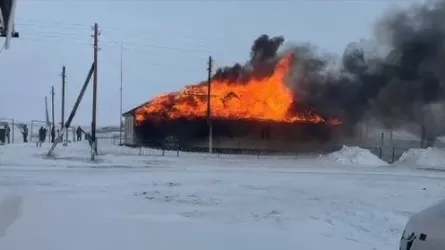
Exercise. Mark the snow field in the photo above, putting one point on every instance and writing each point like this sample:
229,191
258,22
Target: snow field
122,202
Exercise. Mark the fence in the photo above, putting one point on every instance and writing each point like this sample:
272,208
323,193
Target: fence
108,145
16,135
389,151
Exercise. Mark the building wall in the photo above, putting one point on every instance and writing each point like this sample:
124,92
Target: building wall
248,143
129,133
235,135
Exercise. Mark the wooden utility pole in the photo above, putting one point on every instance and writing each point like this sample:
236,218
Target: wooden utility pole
46,112
74,110
52,107
209,112
62,124
93,122
122,79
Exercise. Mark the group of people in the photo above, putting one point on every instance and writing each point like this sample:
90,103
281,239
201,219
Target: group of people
8,133
43,131
42,134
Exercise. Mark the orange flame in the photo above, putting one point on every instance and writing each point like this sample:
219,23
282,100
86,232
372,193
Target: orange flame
266,100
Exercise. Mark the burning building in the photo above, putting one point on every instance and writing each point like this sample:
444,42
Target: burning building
245,112
297,97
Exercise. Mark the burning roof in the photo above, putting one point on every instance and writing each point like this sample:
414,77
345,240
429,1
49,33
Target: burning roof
266,99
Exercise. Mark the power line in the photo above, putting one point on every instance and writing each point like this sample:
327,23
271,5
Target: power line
38,24
54,37
152,63
52,33
49,37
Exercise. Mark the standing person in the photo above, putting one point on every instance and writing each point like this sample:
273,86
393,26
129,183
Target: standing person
53,134
79,133
41,137
8,132
25,133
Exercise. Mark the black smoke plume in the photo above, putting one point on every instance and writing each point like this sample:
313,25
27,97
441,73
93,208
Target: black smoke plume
263,58
404,85
401,86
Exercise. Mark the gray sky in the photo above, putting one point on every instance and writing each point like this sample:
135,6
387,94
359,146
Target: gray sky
166,45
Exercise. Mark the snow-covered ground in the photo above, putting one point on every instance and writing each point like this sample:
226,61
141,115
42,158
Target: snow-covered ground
355,156
198,202
432,158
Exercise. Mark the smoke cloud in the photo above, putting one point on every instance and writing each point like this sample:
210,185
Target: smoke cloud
406,84
263,58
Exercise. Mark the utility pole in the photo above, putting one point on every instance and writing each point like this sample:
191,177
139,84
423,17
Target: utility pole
46,112
209,112
74,110
52,108
63,104
48,123
93,122
122,79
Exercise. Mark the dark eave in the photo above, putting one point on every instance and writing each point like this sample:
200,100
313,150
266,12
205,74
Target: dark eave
131,111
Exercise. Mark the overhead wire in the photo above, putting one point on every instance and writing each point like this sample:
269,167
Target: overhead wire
76,27
187,48
72,37
149,34
78,33
151,75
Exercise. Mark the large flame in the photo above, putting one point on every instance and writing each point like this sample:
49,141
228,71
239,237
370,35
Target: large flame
267,99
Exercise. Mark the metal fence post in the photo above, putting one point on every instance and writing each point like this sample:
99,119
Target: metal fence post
393,155
97,145
12,130
32,129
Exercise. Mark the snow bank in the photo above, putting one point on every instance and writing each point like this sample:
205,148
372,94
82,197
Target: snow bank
355,156
433,157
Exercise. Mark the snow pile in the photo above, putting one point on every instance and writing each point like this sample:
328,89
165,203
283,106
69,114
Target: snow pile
355,156
425,157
